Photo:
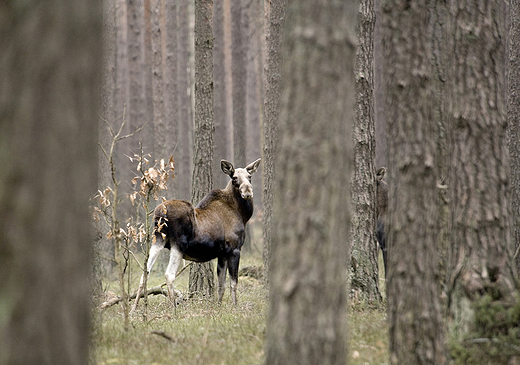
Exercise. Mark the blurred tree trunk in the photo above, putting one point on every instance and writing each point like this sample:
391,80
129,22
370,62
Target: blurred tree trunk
274,25
201,275
222,117
379,96
136,109
254,93
239,48
513,113
309,257
184,155
108,111
169,48
50,62
482,268
364,272
415,326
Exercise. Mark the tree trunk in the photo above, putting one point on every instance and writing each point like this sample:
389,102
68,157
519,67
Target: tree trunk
415,326
513,112
274,25
184,155
201,275
50,57
102,247
239,53
307,314
482,268
223,146
379,96
364,274
169,48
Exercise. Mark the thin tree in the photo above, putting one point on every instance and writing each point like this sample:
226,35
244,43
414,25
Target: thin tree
239,29
415,325
364,273
184,154
50,66
309,254
275,20
482,273
201,275
222,120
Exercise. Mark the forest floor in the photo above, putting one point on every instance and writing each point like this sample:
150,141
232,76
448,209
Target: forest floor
201,331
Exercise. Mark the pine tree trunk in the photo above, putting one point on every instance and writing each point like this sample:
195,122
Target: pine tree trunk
184,160
201,275
481,248
50,57
513,112
364,274
414,310
239,53
274,25
223,146
310,253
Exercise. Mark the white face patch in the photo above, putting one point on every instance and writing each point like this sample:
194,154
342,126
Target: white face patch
242,180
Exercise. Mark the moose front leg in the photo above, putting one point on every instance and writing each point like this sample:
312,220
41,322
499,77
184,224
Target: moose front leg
155,250
221,273
171,272
233,262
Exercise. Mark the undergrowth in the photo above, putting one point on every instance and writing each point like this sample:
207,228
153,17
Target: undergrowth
200,331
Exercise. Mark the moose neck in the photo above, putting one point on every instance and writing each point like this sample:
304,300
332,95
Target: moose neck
245,206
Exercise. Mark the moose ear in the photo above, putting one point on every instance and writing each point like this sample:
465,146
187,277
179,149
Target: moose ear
252,167
227,168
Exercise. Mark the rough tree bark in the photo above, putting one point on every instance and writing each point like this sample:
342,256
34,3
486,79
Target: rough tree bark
50,67
415,326
274,25
513,114
482,267
364,271
201,275
309,256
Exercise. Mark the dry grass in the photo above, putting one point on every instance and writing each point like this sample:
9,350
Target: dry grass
201,331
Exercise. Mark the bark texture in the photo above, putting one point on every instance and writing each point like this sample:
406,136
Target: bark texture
50,67
307,314
275,19
415,326
364,274
481,247
513,113
201,275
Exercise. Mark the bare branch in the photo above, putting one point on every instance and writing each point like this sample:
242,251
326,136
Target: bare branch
165,335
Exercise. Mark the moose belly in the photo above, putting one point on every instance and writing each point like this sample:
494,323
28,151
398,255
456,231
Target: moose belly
204,250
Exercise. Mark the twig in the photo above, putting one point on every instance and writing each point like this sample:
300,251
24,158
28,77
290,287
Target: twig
165,335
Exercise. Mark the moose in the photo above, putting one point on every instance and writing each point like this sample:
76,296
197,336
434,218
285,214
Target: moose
215,228
381,208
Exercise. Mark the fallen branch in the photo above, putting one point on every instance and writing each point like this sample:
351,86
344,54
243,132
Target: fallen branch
156,290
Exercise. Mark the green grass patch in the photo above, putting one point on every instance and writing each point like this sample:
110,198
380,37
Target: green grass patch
201,331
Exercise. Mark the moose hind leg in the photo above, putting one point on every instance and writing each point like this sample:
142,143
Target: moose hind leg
171,272
155,250
233,262
221,273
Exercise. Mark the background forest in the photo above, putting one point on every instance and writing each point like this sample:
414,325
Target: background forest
109,107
